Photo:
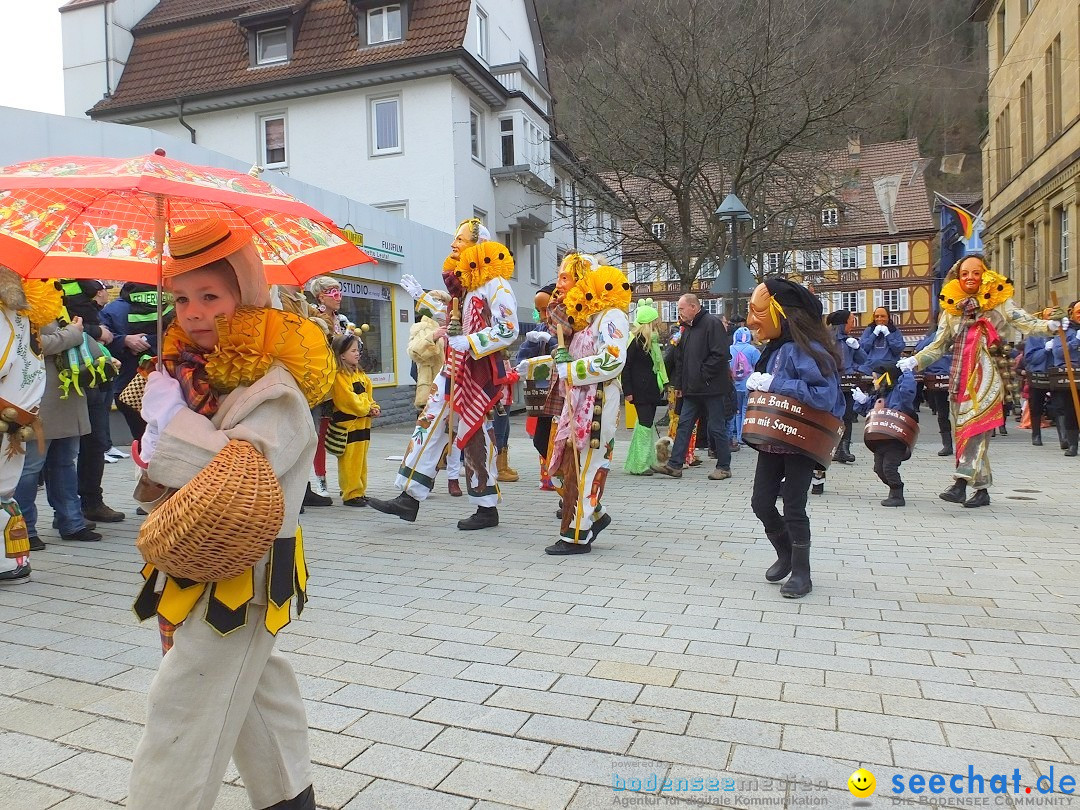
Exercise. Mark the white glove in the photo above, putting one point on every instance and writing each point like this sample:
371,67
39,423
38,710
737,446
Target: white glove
881,329
1064,323
412,286
148,443
759,381
561,370
537,336
1054,325
161,400
522,367
860,397
1049,346
459,343
852,342
906,364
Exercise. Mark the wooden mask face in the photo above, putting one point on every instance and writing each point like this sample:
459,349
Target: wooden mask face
761,316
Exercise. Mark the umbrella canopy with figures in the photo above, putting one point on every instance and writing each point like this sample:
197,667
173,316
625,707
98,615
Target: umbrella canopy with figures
95,217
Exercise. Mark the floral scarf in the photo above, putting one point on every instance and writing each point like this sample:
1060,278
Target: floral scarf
187,365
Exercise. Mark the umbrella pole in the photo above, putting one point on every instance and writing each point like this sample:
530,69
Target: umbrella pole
159,243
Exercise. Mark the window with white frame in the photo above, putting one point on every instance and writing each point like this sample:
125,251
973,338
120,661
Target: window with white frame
506,141
476,134
481,34
534,262
890,256
398,209
384,24
714,306
811,260
849,258
1010,257
830,217
849,301
386,126
776,263
271,46
658,229
893,300
1036,252
669,312
826,303
272,139
1062,225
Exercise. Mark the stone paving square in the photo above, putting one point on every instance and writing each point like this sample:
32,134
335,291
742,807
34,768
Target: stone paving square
444,669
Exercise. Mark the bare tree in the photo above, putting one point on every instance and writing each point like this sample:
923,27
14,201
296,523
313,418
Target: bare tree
683,101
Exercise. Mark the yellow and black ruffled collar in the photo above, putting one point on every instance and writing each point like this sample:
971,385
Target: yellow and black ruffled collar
481,263
253,339
601,289
994,291
44,302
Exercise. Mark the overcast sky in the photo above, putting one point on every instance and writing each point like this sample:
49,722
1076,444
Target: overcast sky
30,43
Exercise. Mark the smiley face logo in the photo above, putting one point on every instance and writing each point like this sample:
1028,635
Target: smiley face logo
862,783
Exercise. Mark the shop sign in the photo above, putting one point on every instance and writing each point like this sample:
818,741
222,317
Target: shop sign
365,289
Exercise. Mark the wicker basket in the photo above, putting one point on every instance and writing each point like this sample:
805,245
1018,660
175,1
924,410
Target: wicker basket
133,392
221,522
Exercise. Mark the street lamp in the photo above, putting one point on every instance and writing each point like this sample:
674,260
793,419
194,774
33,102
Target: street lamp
733,212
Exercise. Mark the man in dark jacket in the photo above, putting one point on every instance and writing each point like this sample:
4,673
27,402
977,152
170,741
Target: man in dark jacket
703,375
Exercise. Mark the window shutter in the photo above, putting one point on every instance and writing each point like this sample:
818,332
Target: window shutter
904,305
825,307
877,298
834,258
862,301
903,254
877,255
837,301
860,252
797,259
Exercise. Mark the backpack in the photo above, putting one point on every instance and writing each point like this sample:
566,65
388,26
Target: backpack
741,367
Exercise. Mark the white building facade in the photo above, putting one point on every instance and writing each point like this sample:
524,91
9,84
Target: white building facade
432,110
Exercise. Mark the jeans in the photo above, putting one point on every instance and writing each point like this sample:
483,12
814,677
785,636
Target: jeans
501,423
61,484
93,445
793,471
692,408
735,424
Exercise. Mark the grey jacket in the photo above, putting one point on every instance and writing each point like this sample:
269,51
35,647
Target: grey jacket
61,418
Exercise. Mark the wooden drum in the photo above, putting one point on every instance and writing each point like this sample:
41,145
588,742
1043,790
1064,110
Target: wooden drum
772,419
534,398
1056,379
935,382
884,424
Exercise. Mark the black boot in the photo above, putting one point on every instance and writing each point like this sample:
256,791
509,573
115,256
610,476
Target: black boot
896,497
1062,441
781,542
798,583
956,493
405,506
1072,437
849,457
1036,435
312,499
485,517
1004,428
304,801
817,489
980,498
946,444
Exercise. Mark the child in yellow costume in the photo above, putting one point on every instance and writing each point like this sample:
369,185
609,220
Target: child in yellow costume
354,408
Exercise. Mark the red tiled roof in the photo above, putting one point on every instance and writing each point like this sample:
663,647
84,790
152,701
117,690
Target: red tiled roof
190,48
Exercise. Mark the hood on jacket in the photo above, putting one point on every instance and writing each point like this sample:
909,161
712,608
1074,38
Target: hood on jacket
743,335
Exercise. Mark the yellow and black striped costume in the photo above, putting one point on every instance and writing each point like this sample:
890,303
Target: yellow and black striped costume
353,402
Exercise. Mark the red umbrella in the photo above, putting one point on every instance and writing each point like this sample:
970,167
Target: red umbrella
95,217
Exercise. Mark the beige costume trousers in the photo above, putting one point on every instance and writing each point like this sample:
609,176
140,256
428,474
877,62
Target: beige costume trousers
214,698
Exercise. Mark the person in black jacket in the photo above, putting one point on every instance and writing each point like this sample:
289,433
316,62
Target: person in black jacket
703,374
644,380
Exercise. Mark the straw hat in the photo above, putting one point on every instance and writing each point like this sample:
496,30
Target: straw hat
200,243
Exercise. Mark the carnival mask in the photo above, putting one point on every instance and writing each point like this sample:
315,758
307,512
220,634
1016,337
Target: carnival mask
970,274
881,315
541,301
763,314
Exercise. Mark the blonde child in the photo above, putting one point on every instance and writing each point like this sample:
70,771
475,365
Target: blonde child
354,408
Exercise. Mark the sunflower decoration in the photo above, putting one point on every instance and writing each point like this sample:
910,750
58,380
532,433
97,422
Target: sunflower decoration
44,301
254,338
480,263
994,291
601,289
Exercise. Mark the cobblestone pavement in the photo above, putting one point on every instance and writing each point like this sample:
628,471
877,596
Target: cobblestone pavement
457,670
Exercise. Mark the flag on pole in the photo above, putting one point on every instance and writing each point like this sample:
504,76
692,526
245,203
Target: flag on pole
887,190
918,168
965,218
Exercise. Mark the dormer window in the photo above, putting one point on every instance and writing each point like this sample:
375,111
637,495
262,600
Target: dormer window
658,228
384,24
271,46
830,217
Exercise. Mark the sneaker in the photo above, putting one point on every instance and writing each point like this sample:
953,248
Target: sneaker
83,535
36,543
117,452
665,469
17,576
694,462
102,514
358,501
719,474
112,459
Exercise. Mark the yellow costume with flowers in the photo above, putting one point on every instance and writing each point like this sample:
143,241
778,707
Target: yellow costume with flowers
222,691
969,326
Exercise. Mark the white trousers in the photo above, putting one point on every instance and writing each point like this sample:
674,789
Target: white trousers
418,469
214,698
